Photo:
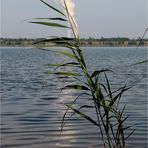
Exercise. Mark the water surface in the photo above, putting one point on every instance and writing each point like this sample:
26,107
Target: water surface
32,108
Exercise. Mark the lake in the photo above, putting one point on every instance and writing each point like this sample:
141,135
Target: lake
32,107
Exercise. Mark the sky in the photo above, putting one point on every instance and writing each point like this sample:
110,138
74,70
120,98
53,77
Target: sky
95,18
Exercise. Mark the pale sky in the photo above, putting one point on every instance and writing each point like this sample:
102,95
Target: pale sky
95,18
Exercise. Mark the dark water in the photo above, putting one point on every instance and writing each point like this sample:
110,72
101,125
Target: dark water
31,108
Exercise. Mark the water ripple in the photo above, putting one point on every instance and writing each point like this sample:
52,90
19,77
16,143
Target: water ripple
32,109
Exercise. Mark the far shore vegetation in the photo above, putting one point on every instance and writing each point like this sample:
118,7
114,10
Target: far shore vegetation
94,42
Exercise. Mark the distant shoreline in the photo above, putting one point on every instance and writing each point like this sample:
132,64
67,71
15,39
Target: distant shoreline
65,47
91,42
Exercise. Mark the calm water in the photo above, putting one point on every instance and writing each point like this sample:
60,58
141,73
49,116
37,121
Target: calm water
32,108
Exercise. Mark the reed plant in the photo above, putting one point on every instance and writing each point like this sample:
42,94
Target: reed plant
110,119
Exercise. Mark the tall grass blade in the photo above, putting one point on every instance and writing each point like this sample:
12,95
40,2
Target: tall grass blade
64,73
53,18
64,116
83,115
142,37
118,96
65,53
130,134
95,73
60,12
79,87
86,106
68,54
108,85
56,39
50,24
141,62
64,64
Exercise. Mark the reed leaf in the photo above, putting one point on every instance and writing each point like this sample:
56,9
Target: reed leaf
130,134
79,87
55,39
57,10
64,64
52,18
120,113
141,62
108,86
125,128
64,73
65,53
68,54
95,73
50,24
86,106
83,115
61,42
118,96
63,118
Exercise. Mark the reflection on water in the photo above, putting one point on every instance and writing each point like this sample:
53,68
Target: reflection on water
32,109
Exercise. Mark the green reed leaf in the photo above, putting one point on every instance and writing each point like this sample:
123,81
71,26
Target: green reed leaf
59,42
95,73
86,106
130,134
118,96
121,113
53,18
60,12
121,93
65,53
127,127
141,62
63,118
55,39
71,64
79,87
50,24
64,73
83,115
64,64
108,86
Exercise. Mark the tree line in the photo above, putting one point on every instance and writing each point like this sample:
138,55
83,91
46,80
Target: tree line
84,42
